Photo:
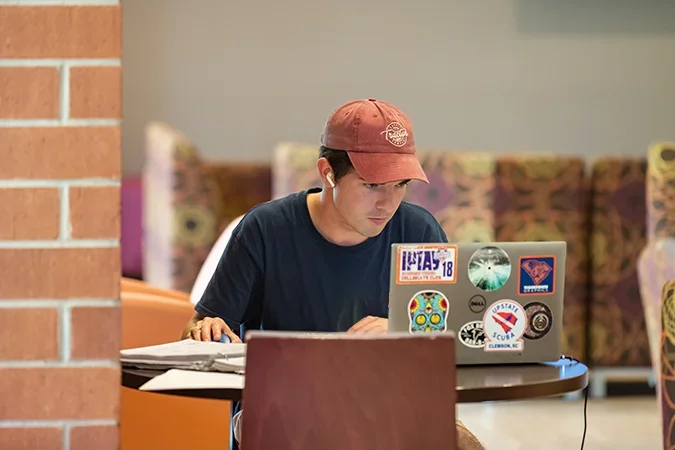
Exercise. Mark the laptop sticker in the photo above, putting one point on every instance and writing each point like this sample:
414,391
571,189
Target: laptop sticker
428,312
539,320
504,323
426,263
489,268
472,335
536,275
477,304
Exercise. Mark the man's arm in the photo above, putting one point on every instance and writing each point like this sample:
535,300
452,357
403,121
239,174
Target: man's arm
233,296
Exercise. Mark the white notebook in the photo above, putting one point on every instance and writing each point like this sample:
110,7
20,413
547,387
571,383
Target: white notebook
187,354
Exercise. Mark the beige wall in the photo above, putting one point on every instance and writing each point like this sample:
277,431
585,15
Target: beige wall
500,75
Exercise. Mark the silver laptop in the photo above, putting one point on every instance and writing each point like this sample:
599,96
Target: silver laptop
503,300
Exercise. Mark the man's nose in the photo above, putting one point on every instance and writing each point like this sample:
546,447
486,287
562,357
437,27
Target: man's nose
386,200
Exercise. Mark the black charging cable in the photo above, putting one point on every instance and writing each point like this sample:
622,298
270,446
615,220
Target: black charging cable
583,438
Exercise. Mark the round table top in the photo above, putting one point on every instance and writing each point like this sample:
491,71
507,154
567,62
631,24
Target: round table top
474,383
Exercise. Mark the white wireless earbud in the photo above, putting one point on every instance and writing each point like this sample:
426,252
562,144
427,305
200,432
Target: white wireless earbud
329,177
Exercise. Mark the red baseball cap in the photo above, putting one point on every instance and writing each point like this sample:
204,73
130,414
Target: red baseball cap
378,138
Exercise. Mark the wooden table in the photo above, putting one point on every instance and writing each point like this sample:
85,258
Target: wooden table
474,383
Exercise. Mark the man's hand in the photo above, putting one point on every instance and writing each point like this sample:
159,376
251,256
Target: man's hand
370,324
209,329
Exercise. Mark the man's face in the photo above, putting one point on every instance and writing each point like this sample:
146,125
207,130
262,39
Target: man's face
367,207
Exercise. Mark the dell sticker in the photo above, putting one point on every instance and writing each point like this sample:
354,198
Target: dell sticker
536,275
504,324
426,263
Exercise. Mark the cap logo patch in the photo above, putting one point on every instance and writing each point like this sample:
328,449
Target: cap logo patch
396,134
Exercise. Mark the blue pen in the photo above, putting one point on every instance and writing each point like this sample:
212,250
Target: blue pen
225,339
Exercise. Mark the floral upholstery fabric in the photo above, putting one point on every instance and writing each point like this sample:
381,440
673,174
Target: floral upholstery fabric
545,198
667,359
241,186
180,209
661,190
617,333
656,268
459,193
294,168
650,293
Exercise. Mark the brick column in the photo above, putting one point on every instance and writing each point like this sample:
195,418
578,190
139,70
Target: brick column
60,110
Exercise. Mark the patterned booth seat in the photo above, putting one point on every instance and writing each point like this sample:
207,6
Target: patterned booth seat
294,168
544,198
656,261
617,335
459,193
667,360
656,268
187,203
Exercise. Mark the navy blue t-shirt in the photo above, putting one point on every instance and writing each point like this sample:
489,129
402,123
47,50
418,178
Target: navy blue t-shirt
278,273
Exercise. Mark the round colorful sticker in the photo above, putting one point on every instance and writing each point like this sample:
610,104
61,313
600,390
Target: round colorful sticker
428,312
472,334
504,322
489,268
539,320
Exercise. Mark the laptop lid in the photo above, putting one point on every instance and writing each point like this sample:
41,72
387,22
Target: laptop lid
503,300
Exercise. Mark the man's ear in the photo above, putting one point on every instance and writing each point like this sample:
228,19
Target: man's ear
325,172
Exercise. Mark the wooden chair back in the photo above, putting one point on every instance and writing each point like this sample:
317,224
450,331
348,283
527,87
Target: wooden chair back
346,391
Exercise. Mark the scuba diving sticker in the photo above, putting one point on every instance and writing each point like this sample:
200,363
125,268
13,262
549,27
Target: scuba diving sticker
536,275
428,312
504,324
426,263
489,268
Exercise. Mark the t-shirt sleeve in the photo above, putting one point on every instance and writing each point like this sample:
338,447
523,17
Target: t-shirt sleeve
234,292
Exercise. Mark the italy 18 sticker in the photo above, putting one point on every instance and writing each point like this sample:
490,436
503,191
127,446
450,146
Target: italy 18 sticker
426,263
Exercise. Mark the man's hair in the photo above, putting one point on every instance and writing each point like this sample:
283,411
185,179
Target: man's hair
339,161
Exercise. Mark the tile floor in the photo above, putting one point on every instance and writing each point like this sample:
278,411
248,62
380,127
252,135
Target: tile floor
624,423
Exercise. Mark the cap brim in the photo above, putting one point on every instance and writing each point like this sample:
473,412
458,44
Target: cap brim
387,167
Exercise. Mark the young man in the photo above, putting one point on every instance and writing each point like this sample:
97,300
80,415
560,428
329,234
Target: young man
318,260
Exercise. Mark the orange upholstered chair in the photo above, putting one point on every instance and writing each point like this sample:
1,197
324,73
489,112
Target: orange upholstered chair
159,421
141,287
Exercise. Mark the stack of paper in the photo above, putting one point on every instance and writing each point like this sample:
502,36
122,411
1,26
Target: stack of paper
187,354
189,379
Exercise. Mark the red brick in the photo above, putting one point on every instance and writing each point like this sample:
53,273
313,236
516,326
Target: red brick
95,333
29,213
41,324
96,92
60,273
95,212
60,152
97,437
29,92
31,438
60,31
59,393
